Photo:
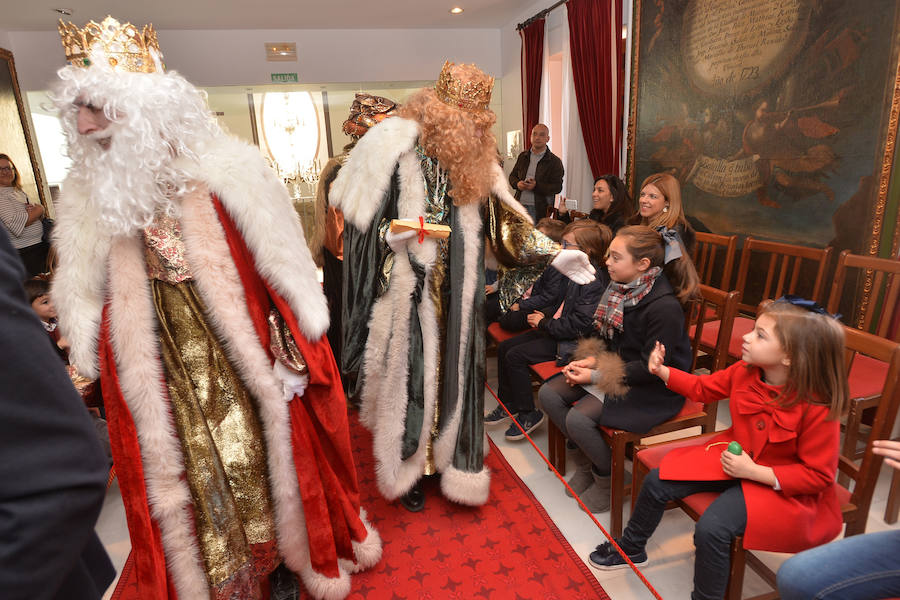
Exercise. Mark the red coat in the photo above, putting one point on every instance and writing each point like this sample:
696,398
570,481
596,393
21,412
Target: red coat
799,444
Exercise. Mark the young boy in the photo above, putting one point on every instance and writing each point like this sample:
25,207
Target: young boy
38,292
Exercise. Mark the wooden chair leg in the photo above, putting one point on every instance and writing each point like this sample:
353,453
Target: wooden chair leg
617,485
851,435
639,471
893,502
556,446
736,570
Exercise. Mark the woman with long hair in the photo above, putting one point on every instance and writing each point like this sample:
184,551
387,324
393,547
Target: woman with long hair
660,207
612,205
22,219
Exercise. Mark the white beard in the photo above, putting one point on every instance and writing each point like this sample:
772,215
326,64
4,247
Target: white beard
131,181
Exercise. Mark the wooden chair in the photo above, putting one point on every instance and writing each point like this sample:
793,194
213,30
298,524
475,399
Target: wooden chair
692,414
708,247
881,278
783,265
855,502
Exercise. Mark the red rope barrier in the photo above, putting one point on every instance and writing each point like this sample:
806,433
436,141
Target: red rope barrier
578,499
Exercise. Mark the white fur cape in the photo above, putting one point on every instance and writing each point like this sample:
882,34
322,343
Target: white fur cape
359,191
95,268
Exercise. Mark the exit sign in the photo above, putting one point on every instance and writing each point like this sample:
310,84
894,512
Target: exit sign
284,78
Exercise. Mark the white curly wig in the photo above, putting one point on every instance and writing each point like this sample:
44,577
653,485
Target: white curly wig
154,118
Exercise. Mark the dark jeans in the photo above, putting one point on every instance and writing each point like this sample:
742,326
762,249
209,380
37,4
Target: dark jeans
725,519
577,413
854,568
513,357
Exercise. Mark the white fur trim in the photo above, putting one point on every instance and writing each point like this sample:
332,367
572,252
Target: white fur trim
500,190
466,487
368,551
364,179
79,281
262,211
386,364
445,446
326,588
132,321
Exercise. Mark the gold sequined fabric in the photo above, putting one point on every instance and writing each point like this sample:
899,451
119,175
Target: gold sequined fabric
522,251
164,250
283,346
222,443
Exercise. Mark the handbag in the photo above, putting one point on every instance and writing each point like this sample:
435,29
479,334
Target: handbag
47,224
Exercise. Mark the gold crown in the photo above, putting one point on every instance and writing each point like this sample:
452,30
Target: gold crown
470,95
118,44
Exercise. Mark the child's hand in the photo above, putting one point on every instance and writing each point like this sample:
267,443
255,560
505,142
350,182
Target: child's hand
585,363
739,466
576,375
655,362
514,306
534,319
890,450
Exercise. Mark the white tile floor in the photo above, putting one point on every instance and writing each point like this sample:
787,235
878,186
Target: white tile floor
671,549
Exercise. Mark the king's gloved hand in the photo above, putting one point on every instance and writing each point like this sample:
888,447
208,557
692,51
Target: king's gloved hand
398,241
575,265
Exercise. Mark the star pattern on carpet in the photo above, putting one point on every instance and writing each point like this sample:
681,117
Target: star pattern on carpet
489,543
451,585
503,570
471,563
441,556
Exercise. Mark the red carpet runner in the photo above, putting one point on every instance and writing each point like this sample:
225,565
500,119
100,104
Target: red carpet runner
508,549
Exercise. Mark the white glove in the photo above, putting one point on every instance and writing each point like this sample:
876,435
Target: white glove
398,241
575,265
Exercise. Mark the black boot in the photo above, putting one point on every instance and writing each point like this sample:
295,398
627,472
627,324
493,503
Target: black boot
414,499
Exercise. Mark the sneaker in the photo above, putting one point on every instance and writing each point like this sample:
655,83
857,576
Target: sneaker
607,558
529,421
498,416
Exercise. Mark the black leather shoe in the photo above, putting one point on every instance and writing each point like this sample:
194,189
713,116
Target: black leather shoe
414,499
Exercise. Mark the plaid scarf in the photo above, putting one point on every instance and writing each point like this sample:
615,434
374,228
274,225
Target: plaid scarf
608,319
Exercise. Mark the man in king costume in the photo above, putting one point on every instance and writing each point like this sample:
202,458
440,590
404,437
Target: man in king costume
185,284
413,347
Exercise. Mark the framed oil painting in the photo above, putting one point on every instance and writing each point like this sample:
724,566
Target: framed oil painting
778,117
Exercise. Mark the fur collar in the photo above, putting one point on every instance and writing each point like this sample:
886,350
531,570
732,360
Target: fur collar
363,181
256,201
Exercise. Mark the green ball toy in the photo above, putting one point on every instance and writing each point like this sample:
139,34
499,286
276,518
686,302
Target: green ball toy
735,448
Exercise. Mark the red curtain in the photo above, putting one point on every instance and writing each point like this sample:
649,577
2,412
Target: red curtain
532,65
594,35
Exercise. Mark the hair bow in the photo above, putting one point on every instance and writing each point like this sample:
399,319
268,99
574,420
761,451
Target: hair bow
809,305
672,241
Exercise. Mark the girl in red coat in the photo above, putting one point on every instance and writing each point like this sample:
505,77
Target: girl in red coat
779,492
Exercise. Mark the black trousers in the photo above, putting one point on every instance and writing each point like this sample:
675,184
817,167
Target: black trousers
725,519
513,357
34,258
332,280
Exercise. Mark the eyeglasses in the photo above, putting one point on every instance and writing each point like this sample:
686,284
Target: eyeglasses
7,169
566,244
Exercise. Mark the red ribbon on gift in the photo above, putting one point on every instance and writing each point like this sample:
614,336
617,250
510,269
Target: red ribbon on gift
421,229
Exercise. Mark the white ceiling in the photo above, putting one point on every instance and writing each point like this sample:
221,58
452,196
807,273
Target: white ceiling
38,15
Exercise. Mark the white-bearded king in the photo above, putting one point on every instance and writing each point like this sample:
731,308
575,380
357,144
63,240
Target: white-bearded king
185,283
413,346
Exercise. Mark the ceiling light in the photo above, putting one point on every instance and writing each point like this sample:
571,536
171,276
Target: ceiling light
624,32
63,11
456,10
281,51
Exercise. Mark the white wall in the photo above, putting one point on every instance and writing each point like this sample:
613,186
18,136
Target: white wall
4,39
237,57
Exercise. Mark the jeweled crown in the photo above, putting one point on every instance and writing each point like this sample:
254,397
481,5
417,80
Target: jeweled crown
469,95
120,45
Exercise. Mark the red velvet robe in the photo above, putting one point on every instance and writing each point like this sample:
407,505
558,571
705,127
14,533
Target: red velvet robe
320,441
